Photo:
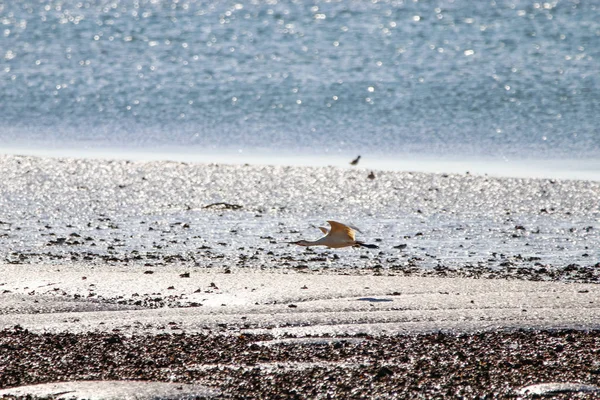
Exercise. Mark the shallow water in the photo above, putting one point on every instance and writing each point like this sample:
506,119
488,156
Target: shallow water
499,79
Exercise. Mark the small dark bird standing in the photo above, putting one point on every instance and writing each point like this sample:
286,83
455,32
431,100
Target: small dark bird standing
355,161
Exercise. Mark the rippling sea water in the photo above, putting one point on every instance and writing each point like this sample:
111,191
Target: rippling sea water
498,79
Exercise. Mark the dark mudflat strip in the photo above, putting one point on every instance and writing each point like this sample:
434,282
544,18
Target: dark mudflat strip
484,365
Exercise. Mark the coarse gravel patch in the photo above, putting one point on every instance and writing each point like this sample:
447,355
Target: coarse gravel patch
479,365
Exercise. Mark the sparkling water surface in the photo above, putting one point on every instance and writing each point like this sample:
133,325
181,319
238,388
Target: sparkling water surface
490,79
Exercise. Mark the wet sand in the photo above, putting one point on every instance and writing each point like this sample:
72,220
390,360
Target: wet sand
163,214
86,240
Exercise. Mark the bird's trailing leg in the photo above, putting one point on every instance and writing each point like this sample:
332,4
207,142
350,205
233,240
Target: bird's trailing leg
368,246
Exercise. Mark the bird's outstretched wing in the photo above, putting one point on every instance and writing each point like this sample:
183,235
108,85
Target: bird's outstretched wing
355,228
325,230
341,231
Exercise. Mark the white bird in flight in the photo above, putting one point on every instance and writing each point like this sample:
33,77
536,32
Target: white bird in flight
339,235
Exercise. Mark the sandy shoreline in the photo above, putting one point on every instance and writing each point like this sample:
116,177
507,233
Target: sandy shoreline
283,303
134,251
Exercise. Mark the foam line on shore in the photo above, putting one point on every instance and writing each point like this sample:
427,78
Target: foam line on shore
572,169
